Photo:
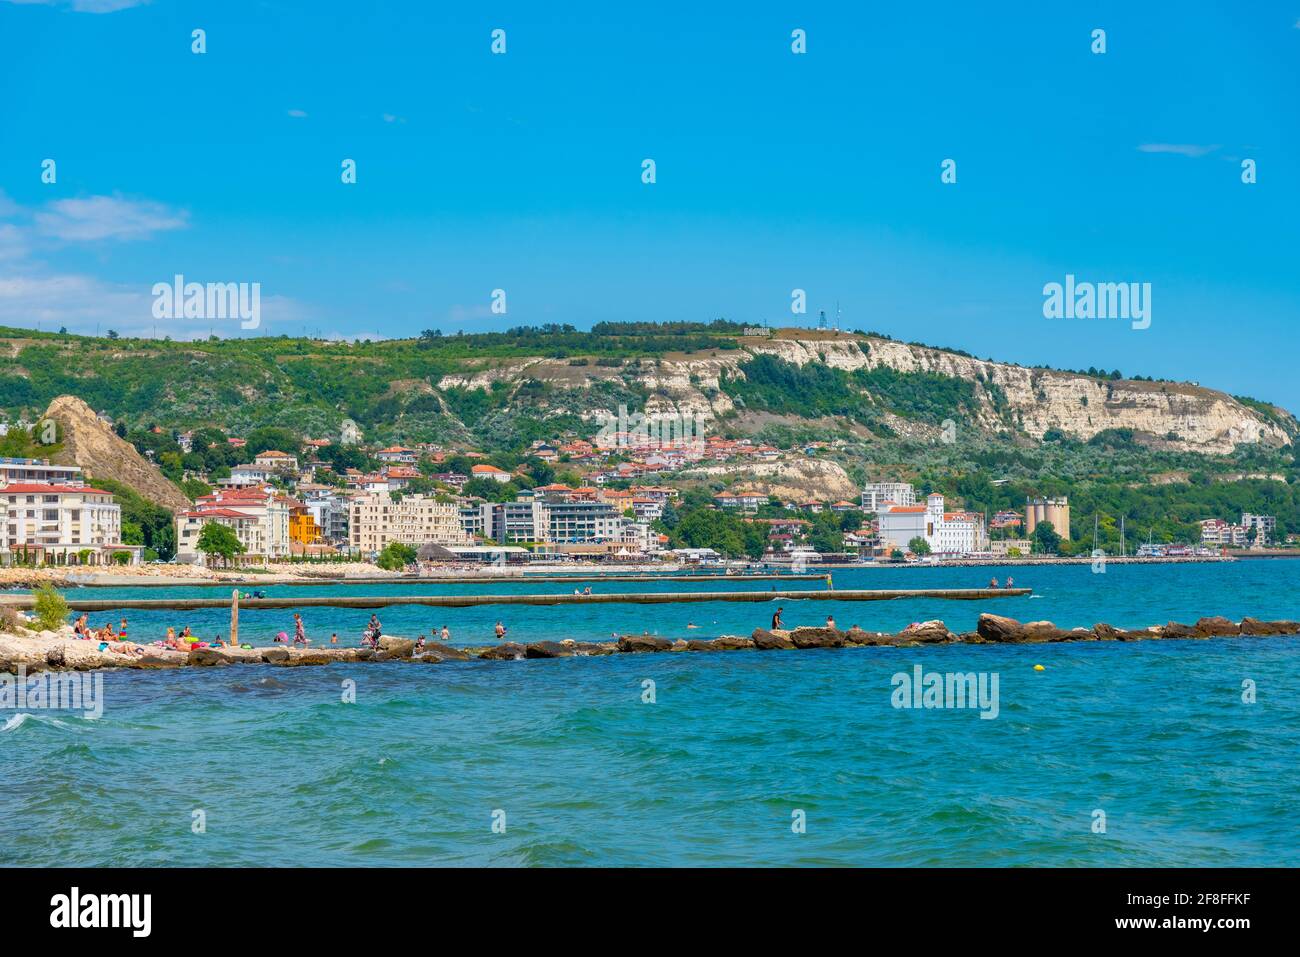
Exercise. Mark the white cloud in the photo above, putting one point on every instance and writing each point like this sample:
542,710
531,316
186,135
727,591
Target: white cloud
84,304
13,244
107,217
81,303
1181,149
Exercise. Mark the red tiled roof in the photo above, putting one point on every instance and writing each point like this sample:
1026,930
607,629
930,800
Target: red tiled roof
30,488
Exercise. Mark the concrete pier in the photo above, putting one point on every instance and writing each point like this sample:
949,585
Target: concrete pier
26,602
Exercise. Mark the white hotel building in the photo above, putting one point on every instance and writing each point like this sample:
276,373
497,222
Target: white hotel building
877,495
48,514
375,520
947,533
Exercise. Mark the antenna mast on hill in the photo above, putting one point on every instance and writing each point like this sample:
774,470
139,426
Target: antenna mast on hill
821,319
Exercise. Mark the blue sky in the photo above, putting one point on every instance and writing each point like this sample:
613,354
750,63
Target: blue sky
775,171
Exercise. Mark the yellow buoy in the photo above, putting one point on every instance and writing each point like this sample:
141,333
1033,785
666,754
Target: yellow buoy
1039,668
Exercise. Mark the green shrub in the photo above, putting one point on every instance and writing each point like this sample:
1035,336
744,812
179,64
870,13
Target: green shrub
51,609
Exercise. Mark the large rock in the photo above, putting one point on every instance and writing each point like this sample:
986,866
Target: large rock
928,633
806,637
593,649
274,656
206,658
395,647
996,628
643,643
1253,626
1176,629
308,658
445,653
1104,632
91,443
1042,631
765,640
1215,627
721,643
547,649
508,651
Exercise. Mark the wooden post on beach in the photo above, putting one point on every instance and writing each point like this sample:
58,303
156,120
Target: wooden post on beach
234,618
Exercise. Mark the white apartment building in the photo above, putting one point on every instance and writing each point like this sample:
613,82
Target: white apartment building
39,470
276,461
258,516
61,524
1265,527
376,520
876,494
948,533
1215,531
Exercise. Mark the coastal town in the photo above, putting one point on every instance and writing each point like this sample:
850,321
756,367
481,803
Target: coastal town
618,500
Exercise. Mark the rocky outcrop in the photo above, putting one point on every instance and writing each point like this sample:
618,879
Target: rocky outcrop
1215,627
51,651
91,443
1007,397
547,649
635,643
508,651
1253,626
817,638
396,647
765,640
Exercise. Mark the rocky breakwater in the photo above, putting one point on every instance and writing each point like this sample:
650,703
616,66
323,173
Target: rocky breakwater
58,650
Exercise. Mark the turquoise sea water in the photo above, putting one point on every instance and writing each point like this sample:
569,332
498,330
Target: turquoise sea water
1155,734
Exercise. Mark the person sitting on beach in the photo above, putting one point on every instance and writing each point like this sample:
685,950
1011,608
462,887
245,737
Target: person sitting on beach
993,583
419,643
376,628
79,629
445,634
186,633
281,638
